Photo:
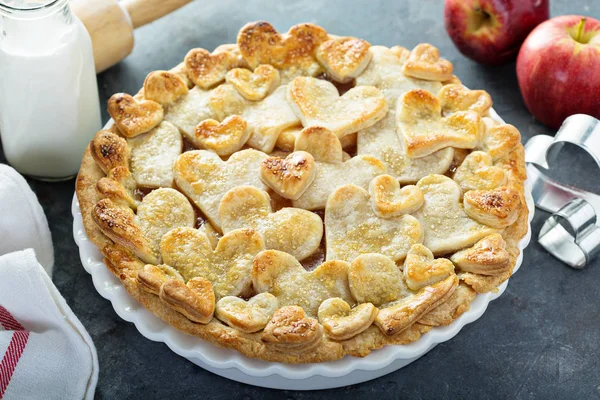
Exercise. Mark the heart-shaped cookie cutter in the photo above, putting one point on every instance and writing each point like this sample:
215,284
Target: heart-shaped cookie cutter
571,207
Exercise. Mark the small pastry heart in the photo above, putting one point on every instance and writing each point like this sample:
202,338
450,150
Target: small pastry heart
254,85
164,87
205,178
456,97
446,226
293,230
477,171
498,140
159,212
375,278
153,155
353,228
342,322
425,130
486,257
388,200
284,277
290,330
134,117
224,138
397,317
497,208
421,269
455,305
247,316
317,103
151,277
425,63
194,299
206,69
344,58
227,267
289,177
189,110
119,187
332,170
260,43
109,151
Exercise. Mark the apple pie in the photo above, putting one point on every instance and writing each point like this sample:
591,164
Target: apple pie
302,196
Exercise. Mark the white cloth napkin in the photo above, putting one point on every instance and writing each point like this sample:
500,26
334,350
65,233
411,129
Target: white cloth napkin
22,220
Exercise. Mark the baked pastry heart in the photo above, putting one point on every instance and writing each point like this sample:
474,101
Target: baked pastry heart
317,103
486,257
353,228
344,58
118,186
295,231
205,178
189,110
134,117
153,155
424,62
260,43
455,305
194,299
498,140
332,170
247,316
388,200
289,177
342,322
425,130
477,171
421,269
206,69
446,225
456,97
291,331
254,85
151,277
109,151
159,212
284,277
164,87
497,208
227,267
375,278
224,138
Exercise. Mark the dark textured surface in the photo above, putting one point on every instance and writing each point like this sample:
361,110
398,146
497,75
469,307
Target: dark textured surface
539,340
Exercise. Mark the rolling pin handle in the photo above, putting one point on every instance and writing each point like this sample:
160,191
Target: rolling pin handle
143,12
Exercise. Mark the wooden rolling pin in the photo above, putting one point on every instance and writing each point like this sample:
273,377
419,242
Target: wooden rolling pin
111,24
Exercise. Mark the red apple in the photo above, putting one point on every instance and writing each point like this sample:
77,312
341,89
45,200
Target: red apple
491,31
559,69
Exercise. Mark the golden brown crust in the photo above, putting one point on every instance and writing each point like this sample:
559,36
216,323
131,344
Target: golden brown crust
194,299
109,151
134,117
290,330
164,87
344,58
425,63
289,177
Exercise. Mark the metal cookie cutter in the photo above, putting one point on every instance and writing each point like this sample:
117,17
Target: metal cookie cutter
571,208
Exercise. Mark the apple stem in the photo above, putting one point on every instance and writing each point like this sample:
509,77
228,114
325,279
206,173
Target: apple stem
580,29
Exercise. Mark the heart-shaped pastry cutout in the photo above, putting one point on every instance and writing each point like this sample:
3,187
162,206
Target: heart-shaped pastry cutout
421,269
260,43
284,277
342,322
477,171
189,110
425,63
134,117
227,267
353,228
224,138
291,331
254,85
446,226
486,257
425,131
194,299
289,177
118,186
151,277
398,316
206,69
332,170
497,208
456,97
498,140
205,178
159,212
247,316
344,58
109,151
453,307
375,278
293,230
388,200
153,155
164,87
317,103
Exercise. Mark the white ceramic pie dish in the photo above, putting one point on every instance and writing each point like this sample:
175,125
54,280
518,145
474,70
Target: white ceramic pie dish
233,365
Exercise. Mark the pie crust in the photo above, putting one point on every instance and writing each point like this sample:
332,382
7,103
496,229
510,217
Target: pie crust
300,197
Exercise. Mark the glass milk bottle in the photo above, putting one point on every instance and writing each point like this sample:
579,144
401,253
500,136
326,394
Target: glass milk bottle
49,107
